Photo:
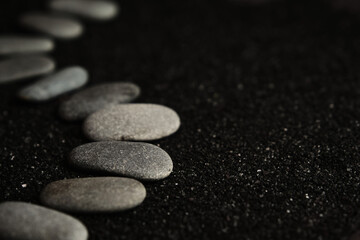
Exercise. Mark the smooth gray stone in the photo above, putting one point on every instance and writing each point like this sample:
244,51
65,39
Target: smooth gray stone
22,45
56,84
101,194
94,9
89,100
139,122
23,67
25,221
56,26
131,159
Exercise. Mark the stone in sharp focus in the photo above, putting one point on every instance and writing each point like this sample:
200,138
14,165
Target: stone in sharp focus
22,45
56,26
139,122
101,194
94,9
23,67
131,159
89,100
56,84
25,221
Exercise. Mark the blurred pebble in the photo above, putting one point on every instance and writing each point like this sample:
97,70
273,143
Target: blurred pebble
18,45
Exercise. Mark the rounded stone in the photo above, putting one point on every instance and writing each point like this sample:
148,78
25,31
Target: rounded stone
101,194
139,122
56,84
89,100
23,67
56,26
25,221
131,159
24,45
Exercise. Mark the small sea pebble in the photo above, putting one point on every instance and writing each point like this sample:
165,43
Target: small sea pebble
56,84
139,122
101,194
25,221
89,100
22,45
94,9
56,26
23,67
131,159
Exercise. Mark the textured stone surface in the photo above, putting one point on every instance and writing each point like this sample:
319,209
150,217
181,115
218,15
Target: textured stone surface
99,10
19,44
89,100
102,194
24,221
132,159
24,67
138,122
56,84
57,26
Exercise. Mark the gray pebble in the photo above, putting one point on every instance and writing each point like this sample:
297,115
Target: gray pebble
56,84
139,122
94,9
24,67
56,26
88,101
101,194
131,159
21,45
25,221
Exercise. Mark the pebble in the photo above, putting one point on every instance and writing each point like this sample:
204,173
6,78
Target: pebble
88,101
24,67
139,122
56,84
97,10
131,159
21,45
25,221
101,194
56,26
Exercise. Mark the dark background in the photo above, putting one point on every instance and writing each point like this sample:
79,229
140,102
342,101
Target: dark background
269,98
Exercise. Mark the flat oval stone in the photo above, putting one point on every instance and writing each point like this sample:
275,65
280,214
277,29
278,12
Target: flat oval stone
25,221
56,84
101,194
88,101
56,26
139,122
131,159
23,67
98,10
21,45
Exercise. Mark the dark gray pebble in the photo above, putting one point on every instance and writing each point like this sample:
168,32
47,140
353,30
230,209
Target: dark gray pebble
22,45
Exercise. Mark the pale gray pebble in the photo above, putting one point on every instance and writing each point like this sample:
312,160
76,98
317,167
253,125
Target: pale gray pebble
24,45
23,67
139,122
56,84
100,194
56,26
94,9
143,161
25,221
89,100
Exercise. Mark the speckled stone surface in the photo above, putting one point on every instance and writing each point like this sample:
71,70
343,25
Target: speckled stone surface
101,194
94,9
131,159
17,68
139,122
25,221
56,84
21,44
56,26
89,100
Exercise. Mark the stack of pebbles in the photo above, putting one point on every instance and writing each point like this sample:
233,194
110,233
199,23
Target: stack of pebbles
114,124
